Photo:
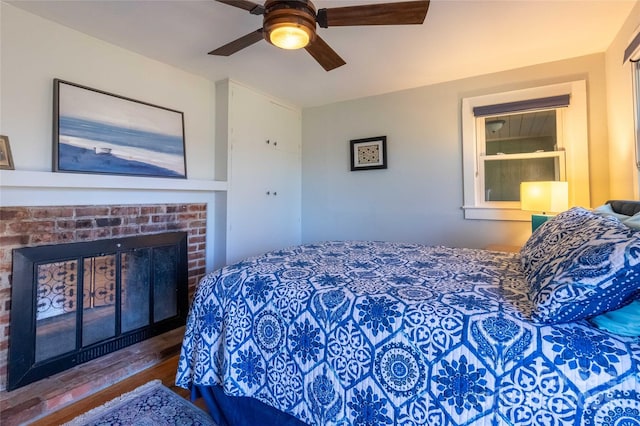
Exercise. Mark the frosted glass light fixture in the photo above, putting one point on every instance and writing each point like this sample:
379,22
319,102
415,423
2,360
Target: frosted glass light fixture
290,37
494,125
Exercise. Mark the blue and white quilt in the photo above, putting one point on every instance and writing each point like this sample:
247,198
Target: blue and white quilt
373,333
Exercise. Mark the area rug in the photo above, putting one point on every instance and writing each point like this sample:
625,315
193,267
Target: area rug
150,404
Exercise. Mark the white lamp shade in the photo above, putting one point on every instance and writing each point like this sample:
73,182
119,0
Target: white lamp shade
546,197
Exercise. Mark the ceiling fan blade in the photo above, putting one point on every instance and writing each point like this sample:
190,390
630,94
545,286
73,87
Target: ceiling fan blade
238,44
324,54
403,13
254,8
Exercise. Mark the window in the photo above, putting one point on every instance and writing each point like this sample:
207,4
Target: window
636,92
527,135
632,54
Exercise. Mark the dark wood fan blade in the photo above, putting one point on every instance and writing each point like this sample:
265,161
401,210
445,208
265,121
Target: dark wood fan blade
403,13
239,44
254,8
324,54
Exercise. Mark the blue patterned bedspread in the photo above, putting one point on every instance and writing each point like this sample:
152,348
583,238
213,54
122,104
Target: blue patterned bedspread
368,333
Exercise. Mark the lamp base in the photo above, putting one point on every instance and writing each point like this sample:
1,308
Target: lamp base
538,219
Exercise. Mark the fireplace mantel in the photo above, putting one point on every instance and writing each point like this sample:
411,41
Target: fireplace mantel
35,179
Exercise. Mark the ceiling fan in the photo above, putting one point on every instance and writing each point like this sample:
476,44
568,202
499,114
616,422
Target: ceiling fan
291,24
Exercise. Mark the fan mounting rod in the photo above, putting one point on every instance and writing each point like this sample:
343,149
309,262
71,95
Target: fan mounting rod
289,24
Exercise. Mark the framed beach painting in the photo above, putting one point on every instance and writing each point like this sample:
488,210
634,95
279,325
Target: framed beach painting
99,132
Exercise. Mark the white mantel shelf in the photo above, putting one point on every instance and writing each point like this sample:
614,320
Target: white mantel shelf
31,179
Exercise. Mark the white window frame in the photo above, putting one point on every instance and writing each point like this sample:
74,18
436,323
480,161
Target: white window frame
636,108
572,136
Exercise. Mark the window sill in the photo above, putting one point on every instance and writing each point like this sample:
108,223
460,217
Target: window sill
492,213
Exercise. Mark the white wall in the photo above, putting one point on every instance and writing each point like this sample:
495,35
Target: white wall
418,198
623,172
34,51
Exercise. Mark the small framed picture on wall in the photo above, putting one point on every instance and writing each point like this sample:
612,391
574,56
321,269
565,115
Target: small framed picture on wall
369,153
6,160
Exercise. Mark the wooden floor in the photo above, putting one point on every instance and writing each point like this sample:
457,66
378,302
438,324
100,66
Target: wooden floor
165,371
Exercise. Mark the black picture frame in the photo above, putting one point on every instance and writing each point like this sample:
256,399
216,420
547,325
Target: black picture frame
102,133
368,153
6,159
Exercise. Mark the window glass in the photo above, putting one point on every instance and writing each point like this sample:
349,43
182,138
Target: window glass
503,177
513,146
521,133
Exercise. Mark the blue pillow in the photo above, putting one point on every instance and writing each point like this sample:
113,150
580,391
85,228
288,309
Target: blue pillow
624,321
607,210
579,265
632,222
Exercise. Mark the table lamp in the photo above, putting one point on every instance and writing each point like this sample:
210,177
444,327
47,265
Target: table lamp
544,197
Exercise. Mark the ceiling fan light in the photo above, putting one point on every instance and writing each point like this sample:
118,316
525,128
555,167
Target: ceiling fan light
290,37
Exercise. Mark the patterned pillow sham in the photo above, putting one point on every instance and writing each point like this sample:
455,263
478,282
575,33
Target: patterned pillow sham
579,264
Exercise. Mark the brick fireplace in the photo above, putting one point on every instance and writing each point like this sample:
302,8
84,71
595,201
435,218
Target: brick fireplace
37,226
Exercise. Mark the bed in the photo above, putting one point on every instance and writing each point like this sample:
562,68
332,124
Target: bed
382,333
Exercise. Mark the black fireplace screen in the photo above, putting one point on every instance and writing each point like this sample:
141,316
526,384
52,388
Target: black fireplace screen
75,302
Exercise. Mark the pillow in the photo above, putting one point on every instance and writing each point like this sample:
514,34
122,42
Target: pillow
558,233
624,321
632,222
579,265
607,210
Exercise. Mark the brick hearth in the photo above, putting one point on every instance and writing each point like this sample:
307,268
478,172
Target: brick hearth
32,402
34,226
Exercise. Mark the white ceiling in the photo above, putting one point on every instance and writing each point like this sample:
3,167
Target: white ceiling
460,38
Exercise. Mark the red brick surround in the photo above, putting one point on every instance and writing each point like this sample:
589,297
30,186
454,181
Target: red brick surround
33,226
